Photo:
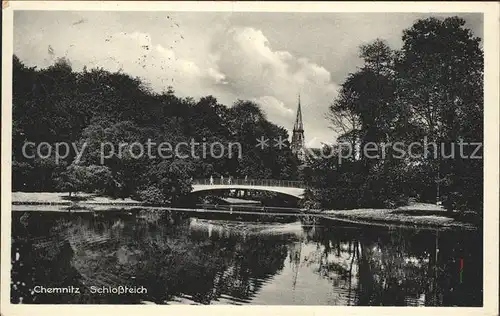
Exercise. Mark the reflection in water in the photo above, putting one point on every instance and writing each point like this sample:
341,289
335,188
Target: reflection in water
208,261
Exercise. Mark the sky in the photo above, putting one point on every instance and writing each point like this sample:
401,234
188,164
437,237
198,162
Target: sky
269,58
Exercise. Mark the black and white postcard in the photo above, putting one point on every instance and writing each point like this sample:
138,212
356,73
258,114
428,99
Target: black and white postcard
300,158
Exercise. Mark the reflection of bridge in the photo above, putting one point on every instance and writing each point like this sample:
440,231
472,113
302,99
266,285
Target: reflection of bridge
292,188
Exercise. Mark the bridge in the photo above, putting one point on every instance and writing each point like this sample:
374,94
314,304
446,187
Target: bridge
292,188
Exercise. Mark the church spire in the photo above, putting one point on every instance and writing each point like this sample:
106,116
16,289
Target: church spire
297,145
298,120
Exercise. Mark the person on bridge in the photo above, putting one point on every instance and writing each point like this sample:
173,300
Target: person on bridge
211,180
221,179
229,180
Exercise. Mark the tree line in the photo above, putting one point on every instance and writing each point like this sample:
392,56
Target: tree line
431,88
57,104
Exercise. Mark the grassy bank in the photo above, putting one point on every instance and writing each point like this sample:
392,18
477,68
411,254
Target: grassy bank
416,215
57,198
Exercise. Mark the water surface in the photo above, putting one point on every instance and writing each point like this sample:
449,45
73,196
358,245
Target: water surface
234,260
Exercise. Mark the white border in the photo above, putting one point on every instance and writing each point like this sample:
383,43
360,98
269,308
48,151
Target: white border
491,153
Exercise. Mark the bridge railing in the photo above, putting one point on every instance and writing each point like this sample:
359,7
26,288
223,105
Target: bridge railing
252,182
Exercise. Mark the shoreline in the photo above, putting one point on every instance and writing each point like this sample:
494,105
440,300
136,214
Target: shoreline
419,215
405,221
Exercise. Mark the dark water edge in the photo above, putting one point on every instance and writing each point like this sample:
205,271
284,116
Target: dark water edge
229,259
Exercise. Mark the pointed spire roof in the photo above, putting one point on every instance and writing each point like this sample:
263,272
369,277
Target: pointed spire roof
298,120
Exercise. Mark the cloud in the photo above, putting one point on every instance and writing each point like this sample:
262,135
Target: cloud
143,39
217,76
237,63
275,109
266,57
255,71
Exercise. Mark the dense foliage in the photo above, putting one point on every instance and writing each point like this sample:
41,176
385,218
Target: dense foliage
93,107
429,91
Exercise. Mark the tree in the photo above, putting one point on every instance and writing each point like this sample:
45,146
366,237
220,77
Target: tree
432,87
440,80
77,178
169,182
363,113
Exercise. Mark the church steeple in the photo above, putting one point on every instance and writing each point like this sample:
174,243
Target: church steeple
298,120
297,145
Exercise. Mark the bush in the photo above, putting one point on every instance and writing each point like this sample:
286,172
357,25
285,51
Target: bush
151,195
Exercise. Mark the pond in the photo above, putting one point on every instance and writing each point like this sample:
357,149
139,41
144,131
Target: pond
176,258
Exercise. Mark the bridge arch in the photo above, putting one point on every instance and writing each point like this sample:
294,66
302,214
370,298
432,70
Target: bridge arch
291,188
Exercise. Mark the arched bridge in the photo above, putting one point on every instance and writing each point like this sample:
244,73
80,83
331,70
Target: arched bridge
292,188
